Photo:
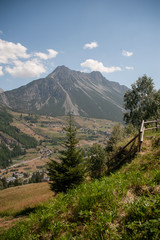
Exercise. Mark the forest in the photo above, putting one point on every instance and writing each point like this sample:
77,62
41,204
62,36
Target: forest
22,141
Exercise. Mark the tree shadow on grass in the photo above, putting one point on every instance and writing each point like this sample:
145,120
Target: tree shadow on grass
26,211
121,158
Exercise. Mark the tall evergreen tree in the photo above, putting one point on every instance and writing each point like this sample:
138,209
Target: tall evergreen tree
69,172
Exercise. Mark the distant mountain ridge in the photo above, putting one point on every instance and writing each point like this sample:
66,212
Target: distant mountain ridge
67,91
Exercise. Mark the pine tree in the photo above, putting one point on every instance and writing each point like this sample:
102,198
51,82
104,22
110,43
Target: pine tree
69,172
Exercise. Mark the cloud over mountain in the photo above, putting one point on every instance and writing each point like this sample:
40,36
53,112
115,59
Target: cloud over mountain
18,63
94,65
1,72
27,69
52,54
10,51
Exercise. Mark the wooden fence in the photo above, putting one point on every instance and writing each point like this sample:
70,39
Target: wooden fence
143,129
133,147
140,135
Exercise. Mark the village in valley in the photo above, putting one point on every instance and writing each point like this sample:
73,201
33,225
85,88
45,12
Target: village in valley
50,133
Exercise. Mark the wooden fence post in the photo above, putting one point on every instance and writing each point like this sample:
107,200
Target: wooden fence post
141,134
139,141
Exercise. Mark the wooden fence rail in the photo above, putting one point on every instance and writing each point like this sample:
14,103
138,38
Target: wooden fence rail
134,147
140,135
143,129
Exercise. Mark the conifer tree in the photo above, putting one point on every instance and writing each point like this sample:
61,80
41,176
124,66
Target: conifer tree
69,172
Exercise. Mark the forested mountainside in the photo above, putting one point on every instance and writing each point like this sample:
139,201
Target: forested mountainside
12,141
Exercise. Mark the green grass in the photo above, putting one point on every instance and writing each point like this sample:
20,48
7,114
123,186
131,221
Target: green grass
124,205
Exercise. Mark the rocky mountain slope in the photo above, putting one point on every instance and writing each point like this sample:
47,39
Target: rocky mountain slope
66,91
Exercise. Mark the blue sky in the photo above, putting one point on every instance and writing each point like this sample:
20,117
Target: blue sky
119,38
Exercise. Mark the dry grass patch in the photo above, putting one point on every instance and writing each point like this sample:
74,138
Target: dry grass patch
17,199
32,164
27,130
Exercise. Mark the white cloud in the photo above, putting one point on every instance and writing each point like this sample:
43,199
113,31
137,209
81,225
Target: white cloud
52,54
18,63
11,51
126,53
91,45
27,69
1,72
1,32
94,65
129,68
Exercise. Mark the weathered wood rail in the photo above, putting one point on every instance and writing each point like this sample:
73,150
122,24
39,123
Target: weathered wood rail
134,148
140,135
123,155
143,129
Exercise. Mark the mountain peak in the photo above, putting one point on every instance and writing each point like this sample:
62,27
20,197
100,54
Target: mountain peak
60,70
96,73
67,91
98,78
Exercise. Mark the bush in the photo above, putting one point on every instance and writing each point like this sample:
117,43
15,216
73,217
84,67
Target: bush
115,137
97,161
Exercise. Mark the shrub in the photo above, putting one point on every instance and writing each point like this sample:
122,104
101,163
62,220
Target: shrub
97,161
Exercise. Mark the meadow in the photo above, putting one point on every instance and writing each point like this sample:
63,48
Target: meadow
122,205
17,202
15,199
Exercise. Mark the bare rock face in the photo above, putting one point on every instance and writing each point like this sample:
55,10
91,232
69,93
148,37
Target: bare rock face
65,91
1,90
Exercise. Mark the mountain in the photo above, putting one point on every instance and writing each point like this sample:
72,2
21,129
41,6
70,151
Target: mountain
66,91
1,90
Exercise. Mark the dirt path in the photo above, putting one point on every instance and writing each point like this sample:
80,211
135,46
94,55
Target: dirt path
23,162
20,163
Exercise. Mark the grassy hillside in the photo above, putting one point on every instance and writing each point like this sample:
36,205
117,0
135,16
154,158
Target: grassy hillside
124,205
17,199
17,202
